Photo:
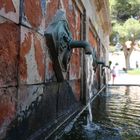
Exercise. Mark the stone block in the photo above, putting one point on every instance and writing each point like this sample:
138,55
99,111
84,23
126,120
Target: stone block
46,114
9,50
7,108
52,7
32,57
72,13
10,9
74,18
92,38
49,106
36,109
66,99
76,88
74,72
29,98
49,71
33,14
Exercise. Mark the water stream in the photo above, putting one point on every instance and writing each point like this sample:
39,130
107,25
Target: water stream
90,125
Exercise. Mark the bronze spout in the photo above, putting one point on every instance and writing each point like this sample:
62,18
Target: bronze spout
81,44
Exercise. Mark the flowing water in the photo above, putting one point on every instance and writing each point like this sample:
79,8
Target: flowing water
90,78
116,116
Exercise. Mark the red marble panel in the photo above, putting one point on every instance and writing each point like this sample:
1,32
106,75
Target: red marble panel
71,16
74,72
33,14
9,45
52,7
10,9
32,57
92,39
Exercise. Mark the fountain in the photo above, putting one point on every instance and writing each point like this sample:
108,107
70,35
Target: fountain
90,82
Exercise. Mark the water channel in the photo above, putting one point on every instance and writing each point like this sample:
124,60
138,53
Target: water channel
115,116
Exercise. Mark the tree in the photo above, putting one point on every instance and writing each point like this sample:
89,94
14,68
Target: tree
126,26
121,10
129,31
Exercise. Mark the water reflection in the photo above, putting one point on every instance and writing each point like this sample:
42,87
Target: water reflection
116,116
127,115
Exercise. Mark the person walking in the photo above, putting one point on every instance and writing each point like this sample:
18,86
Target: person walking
137,65
113,71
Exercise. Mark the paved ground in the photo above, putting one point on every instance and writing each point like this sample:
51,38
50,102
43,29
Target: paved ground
126,79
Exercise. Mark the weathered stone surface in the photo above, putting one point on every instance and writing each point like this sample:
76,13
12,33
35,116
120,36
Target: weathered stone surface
66,99
10,9
50,102
33,14
9,45
42,106
32,57
74,72
74,18
71,16
76,88
49,70
38,105
7,108
36,109
52,7
92,39
29,97
46,103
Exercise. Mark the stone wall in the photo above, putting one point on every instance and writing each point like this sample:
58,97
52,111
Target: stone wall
31,99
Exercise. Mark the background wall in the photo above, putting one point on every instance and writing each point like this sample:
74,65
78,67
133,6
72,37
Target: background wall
30,96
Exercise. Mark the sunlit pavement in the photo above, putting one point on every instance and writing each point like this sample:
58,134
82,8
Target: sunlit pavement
126,79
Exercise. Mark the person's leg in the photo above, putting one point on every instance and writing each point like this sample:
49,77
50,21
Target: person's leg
113,79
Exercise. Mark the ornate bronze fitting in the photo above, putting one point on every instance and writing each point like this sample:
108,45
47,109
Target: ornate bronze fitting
60,42
96,62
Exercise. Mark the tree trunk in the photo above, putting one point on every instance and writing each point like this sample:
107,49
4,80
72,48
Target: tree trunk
127,54
127,61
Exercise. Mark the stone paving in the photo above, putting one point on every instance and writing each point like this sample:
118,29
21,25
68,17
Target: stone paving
126,79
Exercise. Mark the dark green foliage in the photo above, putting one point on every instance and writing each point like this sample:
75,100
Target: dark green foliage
121,10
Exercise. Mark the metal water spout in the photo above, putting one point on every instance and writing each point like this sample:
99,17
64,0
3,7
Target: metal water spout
60,43
96,62
81,44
